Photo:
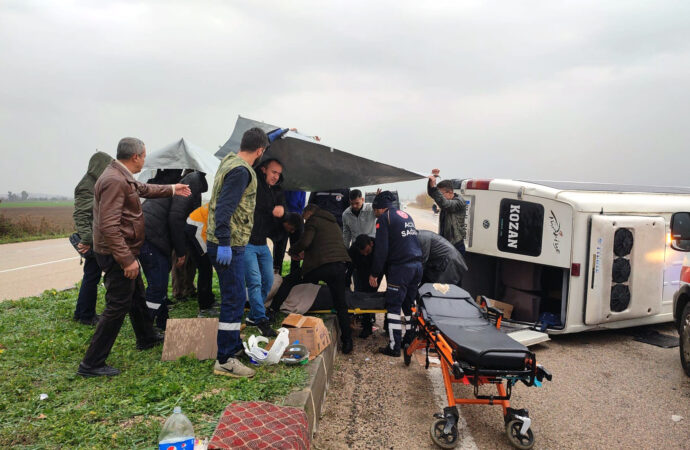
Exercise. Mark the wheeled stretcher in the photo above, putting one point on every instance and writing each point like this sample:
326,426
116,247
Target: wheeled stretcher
472,351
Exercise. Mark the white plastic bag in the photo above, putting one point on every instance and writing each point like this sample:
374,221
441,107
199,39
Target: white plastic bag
263,356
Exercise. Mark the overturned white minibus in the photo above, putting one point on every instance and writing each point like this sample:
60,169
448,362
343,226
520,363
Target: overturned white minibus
574,256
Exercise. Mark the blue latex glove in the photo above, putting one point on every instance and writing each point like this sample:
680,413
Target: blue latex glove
224,256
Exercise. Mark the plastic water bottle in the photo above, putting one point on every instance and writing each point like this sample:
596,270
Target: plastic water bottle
177,433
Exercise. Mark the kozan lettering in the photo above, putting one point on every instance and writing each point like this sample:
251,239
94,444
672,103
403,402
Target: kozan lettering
513,226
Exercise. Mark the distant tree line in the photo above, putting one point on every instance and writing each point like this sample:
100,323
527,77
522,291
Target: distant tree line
24,196
13,197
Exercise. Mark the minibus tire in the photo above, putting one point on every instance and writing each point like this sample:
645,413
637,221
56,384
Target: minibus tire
684,332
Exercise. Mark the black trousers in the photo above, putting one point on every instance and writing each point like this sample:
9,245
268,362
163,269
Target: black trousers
335,276
122,296
204,281
88,292
279,255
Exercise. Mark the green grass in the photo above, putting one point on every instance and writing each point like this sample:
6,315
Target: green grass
40,349
36,204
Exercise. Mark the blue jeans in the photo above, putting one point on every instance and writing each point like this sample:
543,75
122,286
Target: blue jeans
156,265
88,292
258,264
232,298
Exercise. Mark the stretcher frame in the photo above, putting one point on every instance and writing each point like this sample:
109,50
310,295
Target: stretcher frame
355,311
444,430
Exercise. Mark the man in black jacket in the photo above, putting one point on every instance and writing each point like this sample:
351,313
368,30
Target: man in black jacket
325,259
258,261
398,249
335,201
165,220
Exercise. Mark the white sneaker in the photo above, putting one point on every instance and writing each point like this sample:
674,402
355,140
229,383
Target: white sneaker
233,368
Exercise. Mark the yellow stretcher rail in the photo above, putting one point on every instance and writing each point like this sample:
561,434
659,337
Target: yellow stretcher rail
350,311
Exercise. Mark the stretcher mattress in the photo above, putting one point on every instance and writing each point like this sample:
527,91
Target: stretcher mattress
478,341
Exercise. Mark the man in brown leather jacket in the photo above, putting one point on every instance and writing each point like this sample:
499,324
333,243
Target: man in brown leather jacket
118,233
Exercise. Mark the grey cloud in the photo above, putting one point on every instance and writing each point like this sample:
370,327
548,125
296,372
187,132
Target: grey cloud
570,90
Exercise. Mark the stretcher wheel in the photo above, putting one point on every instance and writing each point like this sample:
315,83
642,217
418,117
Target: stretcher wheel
516,439
440,438
407,358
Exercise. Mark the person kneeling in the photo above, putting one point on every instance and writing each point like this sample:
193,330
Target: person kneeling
325,259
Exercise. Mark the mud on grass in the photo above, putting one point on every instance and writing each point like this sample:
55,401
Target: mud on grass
40,349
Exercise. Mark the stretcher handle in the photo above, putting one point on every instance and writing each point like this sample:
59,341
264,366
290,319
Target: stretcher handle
528,355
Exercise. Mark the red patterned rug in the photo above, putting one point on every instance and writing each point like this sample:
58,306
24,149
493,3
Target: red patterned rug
261,425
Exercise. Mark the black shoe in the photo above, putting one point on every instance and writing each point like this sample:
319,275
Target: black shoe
158,338
346,348
389,352
271,314
103,371
161,322
91,322
266,329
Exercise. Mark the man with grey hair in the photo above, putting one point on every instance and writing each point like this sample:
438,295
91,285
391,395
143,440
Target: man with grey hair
118,233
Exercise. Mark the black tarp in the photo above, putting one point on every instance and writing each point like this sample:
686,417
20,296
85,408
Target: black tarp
313,166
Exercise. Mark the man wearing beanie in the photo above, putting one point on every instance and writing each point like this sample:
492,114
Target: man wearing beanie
397,247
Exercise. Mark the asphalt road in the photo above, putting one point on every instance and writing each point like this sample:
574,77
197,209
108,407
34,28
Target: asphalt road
608,391
29,268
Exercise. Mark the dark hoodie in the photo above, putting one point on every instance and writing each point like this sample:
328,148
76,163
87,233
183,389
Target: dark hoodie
322,242
267,198
83,196
166,218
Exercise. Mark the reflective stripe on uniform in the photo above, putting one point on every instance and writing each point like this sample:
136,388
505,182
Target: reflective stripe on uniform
392,316
224,326
394,326
391,341
152,305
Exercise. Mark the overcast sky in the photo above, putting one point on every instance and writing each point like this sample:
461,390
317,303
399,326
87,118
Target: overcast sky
567,90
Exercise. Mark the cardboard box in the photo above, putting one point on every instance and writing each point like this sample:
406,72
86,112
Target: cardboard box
309,331
505,308
185,337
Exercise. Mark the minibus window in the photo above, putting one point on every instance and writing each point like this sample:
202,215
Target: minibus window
520,227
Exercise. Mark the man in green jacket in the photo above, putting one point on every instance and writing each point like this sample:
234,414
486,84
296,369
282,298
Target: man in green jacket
85,311
325,259
451,223
230,221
